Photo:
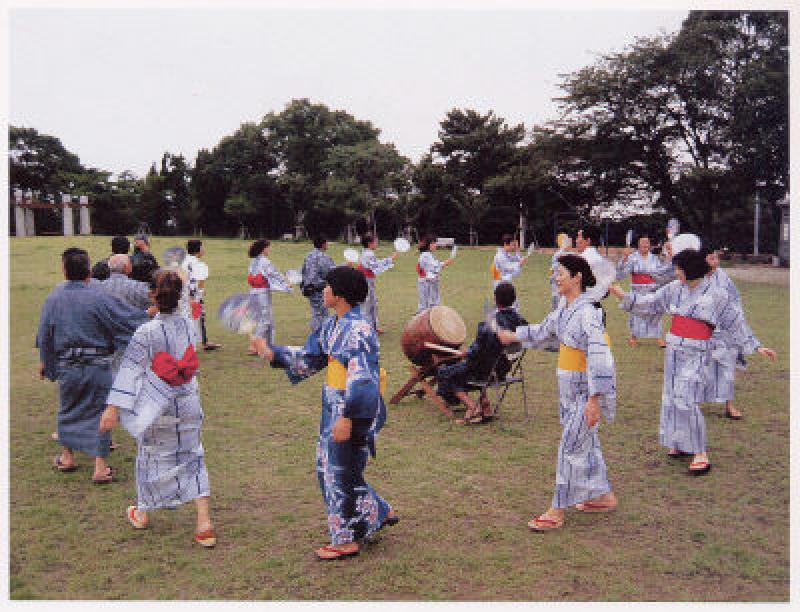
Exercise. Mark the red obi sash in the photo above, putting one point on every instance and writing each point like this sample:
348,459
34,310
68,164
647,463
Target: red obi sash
420,271
687,327
642,279
257,281
173,371
197,309
366,271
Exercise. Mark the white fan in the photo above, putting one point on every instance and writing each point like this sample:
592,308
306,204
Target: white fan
351,255
401,245
629,238
294,277
605,273
453,251
681,242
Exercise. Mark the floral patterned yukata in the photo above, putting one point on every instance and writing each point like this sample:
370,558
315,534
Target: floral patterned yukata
349,348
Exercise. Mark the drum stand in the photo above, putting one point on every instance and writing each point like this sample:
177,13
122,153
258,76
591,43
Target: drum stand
418,377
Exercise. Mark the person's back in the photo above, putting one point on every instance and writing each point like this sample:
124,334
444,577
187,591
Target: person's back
120,245
486,352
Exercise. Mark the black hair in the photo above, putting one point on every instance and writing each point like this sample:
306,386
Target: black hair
258,246
76,264
639,235
366,240
425,242
693,263
193,246
120,245
319,241
348,283
575,264
168,287
591,232
507,238
504,295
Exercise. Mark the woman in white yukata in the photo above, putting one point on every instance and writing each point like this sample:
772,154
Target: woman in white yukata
428,269
353,411
507,262
586,387
697,310
724,359
371,267
263,278
645,269
155,396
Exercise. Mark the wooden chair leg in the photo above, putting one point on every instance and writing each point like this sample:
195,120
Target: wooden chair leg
438,400
417,374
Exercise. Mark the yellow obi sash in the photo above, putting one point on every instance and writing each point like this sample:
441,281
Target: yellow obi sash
337,375
572,359
496,273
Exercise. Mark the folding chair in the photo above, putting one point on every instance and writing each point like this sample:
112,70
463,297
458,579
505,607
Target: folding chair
516,374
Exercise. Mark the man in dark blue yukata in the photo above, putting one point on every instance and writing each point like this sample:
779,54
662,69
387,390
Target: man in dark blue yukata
353,411
80,328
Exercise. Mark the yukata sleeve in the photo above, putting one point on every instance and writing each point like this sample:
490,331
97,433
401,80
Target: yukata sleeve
648,303
277,281
508,267
538,335
45,340
300,362
733,326
378,266
600,369
132,372
362,394
141,296
120,320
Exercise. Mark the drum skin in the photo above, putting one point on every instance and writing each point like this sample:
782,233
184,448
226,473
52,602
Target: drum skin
419,330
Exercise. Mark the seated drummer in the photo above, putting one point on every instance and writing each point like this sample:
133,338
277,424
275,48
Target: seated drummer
483,354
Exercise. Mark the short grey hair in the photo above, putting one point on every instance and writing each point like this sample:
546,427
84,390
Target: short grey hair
119,263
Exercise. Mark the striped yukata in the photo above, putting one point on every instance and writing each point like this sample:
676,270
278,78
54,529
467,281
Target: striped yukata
165,420
682,426
315,268
505,267
643,326
372,267
80,327
261,297
428,269
724,358
349,349
581,470
132,292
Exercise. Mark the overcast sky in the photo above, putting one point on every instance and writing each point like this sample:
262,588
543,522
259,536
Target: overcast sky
120,87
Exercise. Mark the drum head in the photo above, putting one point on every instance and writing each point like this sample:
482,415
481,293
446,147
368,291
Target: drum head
448,325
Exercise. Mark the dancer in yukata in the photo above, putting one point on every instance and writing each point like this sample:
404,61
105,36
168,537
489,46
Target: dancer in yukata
645,269
80,328
507,262
586,386
724,359
697,310
371,267
263,278
315,268
155,396
353,411
428,269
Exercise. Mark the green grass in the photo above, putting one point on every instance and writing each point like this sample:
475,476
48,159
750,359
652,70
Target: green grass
464,494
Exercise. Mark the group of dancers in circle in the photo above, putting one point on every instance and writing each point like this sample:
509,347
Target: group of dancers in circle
154,394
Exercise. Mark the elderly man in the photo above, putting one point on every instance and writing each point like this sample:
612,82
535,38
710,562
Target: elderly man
123,288
80,327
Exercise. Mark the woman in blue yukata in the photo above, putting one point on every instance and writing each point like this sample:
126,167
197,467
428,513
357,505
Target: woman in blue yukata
353,411
699,311
586,388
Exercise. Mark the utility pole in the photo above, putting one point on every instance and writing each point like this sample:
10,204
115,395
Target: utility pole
757,212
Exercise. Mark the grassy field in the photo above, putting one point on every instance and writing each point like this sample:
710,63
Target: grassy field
464,493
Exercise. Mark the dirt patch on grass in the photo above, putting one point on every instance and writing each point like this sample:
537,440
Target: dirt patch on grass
760,274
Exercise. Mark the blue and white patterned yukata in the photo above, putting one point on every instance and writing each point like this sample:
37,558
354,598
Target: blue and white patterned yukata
262,296
724,359
506,265
581,472
315,268
354,509
165,420
377,266
80,327
429,269
682,426
643,326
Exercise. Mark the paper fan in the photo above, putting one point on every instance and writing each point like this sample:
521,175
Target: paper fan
294,277
605,273
629,238
351,255
681,242
401,245
173,257
239,313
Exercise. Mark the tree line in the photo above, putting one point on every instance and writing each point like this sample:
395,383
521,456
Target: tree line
692,124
